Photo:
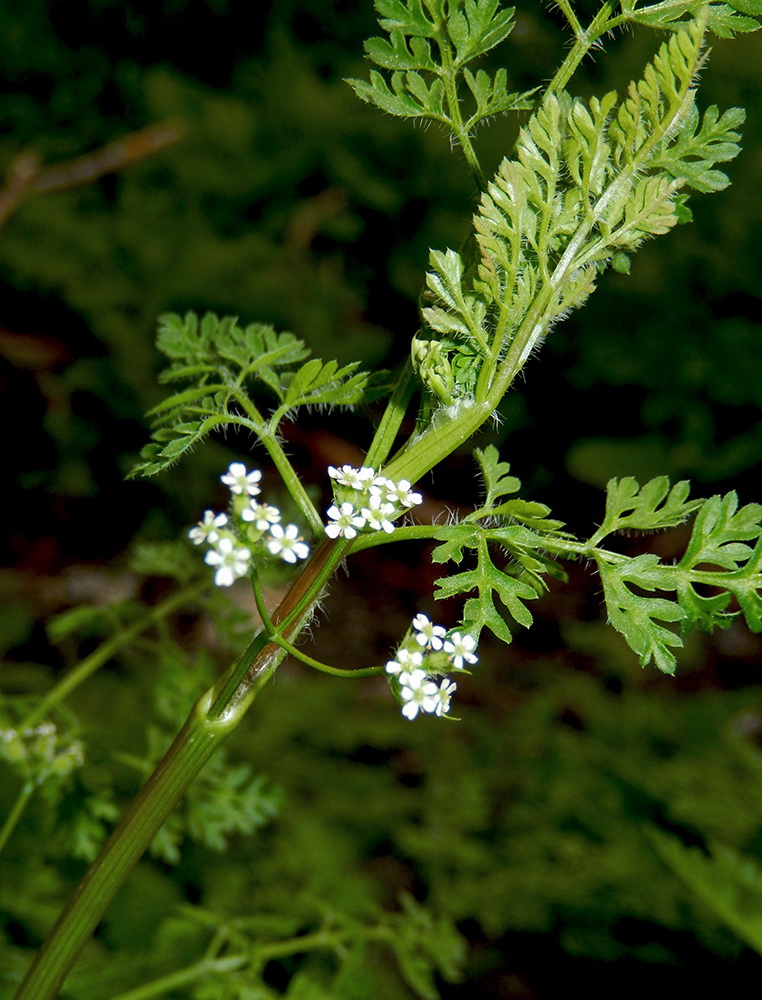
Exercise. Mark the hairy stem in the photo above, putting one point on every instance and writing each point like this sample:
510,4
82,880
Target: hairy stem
266,432
449,77
584,41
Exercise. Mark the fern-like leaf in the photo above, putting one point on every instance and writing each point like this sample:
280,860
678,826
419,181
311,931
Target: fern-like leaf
724,19
228,366
702,143
719,539
495,476
430,45
589,182
520,530
488,581
719,564
637,616
651,507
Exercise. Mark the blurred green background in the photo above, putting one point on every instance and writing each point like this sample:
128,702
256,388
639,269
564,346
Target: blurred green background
287,201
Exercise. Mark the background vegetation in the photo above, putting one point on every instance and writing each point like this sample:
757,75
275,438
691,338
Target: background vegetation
530,825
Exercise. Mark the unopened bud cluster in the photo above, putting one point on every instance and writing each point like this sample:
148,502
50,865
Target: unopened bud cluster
250,530
427,652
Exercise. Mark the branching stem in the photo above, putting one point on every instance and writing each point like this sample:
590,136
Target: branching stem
298,654
107,650
449,77
584,41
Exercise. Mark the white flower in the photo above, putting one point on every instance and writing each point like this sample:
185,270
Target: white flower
230,562
379,484
206,529
262,514
428,634
410,659
240,481
400,493
287,543
376,515
418,692
358,479
404,660
459,648
444,694
346,521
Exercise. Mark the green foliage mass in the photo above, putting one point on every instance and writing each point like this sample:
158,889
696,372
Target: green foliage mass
532,827
429,48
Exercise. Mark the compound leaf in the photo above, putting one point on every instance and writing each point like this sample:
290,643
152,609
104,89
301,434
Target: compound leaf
636,616
430,45
227,364
651,507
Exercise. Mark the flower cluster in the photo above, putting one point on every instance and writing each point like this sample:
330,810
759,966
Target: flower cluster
41,753
251,529
366,502
428,650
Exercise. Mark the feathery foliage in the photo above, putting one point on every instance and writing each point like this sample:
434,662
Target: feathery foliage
226,365
724,19
719,557
590,180
430,46
515,527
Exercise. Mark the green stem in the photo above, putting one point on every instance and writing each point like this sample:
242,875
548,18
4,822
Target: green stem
184,977
292,483
449,77
215,716
107,651
292,614
17,811
275,636
584,41
305,942
566,8
461,134
447,432
402,533
189,752
265,431
394,414
324,668
261,954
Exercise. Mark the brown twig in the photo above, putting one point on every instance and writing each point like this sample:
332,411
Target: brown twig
27,176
